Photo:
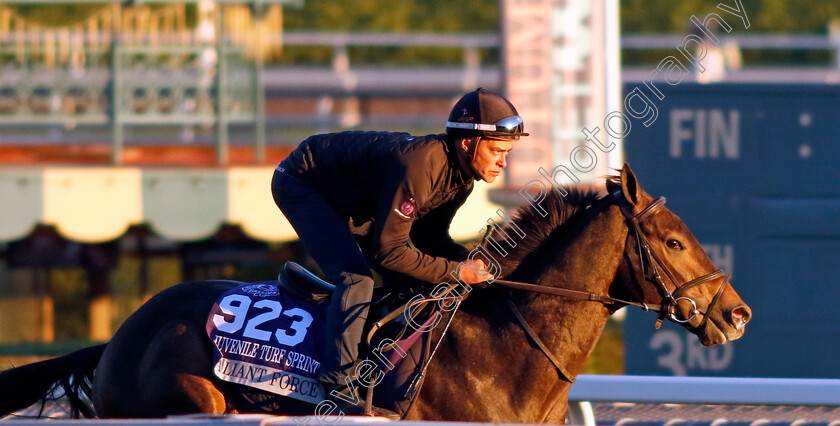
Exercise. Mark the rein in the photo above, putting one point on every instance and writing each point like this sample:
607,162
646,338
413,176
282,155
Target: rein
649,260
574,294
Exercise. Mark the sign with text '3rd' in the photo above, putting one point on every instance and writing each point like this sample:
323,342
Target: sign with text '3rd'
754,172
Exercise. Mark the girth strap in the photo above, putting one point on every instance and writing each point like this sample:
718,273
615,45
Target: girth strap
536,339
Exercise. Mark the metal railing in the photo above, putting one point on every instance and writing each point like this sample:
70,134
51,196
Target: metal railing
136,66
345,77
70,98
697,390
763,41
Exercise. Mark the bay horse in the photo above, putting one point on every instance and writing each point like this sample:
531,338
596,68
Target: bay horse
619,249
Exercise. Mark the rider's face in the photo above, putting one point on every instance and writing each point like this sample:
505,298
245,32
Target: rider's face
490,158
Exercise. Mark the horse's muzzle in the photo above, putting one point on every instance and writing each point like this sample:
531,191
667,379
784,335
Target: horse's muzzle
739,317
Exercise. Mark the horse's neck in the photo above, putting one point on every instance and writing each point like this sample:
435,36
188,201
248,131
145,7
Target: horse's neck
488,370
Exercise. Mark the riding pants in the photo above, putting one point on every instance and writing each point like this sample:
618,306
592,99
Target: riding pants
327,238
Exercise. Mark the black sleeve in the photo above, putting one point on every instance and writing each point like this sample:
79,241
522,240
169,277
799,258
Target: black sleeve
396,213
431,233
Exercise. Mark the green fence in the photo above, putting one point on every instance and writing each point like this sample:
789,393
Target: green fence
140,63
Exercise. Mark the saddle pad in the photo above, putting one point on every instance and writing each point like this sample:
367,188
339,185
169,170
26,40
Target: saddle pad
264,339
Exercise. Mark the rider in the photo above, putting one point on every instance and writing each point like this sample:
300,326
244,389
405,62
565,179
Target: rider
390,188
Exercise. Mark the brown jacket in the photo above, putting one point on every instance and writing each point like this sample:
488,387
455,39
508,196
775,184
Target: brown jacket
403,187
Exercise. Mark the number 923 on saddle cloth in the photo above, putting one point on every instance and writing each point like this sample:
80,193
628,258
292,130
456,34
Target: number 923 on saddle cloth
267,340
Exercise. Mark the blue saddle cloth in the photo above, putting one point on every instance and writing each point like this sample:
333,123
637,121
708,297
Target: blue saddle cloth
267,340
271,343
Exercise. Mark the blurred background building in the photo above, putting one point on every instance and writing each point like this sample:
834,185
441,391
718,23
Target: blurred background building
138,138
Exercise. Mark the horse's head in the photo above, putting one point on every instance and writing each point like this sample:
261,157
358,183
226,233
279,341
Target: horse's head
667,268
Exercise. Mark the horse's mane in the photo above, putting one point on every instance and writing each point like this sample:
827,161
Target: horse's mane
537,228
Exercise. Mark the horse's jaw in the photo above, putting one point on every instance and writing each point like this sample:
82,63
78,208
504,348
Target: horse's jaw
711,335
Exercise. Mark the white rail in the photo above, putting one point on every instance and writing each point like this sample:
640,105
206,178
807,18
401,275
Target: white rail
586,390
697,390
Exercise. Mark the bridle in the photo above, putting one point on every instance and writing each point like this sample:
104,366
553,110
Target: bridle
650,260
651,264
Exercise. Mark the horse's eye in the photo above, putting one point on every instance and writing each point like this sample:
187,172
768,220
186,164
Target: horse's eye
674,244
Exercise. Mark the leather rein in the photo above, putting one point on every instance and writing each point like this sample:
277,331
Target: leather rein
651,263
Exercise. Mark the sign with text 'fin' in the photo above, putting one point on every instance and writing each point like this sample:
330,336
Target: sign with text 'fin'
754,172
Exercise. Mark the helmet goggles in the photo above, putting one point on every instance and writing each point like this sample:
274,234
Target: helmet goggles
510,128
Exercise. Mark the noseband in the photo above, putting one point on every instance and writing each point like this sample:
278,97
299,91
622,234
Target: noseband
650,260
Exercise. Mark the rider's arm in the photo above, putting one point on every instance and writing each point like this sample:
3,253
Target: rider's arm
410,186
430,234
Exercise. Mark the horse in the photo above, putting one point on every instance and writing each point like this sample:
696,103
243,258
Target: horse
511,352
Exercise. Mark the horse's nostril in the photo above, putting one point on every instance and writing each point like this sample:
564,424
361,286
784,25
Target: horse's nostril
741,315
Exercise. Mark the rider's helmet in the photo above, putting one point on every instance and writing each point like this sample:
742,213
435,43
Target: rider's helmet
484,113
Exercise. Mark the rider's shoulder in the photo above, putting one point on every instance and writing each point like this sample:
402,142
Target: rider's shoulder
405,140
432,147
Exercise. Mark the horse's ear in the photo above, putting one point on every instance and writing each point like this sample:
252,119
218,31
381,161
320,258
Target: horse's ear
613,184
630,185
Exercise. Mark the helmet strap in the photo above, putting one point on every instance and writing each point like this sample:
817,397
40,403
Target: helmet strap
466,153
473,147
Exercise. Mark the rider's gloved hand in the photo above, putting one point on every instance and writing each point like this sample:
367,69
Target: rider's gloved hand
478,277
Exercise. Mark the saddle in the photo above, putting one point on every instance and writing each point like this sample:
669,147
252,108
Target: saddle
301,284
399,350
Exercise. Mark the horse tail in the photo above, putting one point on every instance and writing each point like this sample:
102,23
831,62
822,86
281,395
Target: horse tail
41,382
